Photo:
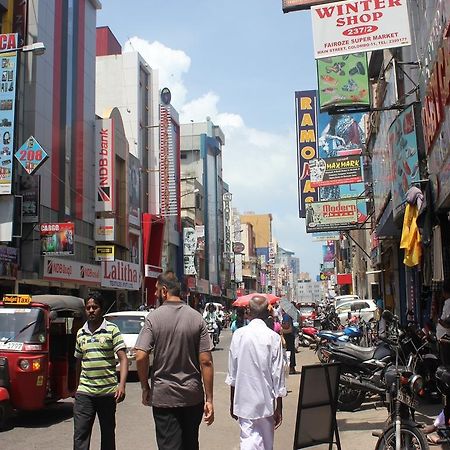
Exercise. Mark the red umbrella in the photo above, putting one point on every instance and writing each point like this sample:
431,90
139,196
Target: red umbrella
244,300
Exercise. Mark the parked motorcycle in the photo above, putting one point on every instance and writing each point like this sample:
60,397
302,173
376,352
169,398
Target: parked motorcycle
351,334
306,337
402,387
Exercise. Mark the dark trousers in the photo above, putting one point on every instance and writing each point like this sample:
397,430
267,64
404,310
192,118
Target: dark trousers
84,410
177,428
290,346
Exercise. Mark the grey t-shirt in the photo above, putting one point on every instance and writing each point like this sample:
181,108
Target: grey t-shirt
177,334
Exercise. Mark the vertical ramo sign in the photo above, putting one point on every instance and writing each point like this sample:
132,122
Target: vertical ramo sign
306,114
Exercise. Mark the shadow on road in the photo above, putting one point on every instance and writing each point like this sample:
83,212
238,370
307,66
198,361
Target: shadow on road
47,417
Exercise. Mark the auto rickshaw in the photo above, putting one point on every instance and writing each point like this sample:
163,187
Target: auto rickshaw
37,342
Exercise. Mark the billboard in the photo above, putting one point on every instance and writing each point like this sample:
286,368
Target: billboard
104,165
306,115
105,230
402,140
335,171
29,189
359,26
8,77
57,239
134,191
332,216
343,82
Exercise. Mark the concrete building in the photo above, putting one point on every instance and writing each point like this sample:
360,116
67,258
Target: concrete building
310,291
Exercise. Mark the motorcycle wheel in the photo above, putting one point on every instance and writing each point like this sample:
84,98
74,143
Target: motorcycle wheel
5,415
322,358
349,399
411,438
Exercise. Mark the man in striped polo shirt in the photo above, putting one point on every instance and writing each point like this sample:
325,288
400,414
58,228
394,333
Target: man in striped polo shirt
98,391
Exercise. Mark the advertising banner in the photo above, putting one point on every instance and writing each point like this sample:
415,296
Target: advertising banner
306,115
328,252
66,270
8,261
227,223
104,230
104,253
359,26
189,249
342,135
402,139
29,188
104,165
8,76
133,242
238,268
200,235
134,191
298,5
120,275
57,239
343,82
336,215
335,171
189,265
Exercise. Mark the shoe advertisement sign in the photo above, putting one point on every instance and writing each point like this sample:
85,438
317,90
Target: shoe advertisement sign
343,82
335,171
359,26
402,140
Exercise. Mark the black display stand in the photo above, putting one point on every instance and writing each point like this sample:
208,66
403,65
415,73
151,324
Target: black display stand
317,404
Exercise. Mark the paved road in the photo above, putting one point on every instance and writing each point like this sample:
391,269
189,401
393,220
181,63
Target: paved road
52,428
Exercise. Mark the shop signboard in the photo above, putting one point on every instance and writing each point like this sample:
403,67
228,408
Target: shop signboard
298,5
72,271
335,171
57,239
359,26
202,286
8,262
200,235
134,191
306,115
227,224
333,216
343,82
8,77
104,230
133,244
29,188
189,250
402,141
238,268
31,155
326,236
189,265
104,165
104,253
120,274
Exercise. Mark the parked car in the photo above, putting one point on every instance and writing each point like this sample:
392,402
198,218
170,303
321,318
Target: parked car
365,309
340,299
130,324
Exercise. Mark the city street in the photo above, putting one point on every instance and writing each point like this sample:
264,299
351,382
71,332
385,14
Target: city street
52,428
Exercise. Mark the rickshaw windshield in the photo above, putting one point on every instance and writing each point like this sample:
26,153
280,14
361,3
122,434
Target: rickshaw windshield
25,325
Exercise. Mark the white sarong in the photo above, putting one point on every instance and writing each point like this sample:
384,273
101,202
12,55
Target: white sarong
257,434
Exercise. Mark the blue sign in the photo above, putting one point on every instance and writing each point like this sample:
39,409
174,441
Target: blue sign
8,71
31,155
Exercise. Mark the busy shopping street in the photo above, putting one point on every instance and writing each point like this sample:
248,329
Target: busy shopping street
224,225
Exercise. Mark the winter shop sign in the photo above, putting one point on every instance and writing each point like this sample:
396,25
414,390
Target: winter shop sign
121,275
359,26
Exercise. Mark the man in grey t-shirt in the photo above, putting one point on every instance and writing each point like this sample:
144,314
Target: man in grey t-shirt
177,335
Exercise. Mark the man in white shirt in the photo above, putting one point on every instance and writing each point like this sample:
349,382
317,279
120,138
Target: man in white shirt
256,378
442,327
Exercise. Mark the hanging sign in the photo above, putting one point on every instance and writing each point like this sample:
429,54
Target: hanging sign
335,171
336,215
31,155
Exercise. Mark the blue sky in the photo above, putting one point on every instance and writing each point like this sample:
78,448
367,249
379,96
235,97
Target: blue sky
238,62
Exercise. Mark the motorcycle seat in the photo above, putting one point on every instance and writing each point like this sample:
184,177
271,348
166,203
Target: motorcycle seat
361,353
325,333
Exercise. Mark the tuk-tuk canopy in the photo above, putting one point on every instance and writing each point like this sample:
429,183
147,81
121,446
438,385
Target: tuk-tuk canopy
62,303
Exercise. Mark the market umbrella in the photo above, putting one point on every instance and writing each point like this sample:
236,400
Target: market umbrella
244,300
289,308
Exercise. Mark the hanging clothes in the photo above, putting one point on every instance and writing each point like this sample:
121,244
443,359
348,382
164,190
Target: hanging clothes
438,260
411,240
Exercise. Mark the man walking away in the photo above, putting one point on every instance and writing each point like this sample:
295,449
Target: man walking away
256,377
182,358
98,392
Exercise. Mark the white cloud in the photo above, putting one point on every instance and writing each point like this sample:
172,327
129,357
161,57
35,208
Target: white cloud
259,166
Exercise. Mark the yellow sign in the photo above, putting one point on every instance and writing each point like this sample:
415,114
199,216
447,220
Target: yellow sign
17,299
104,252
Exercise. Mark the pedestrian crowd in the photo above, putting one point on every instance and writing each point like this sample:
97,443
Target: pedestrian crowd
180,386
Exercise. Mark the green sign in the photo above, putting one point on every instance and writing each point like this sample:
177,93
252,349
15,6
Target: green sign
343,82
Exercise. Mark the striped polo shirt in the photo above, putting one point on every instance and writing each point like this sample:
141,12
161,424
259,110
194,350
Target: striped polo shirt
96,351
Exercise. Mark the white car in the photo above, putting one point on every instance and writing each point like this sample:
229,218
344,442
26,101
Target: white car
130,324
366,309
340,299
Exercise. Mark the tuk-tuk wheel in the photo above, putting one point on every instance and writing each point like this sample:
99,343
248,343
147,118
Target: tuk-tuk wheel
5,414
